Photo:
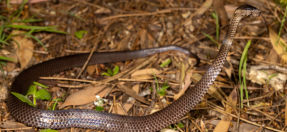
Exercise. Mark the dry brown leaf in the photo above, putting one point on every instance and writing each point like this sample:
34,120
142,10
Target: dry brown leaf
122,44
232,101
168,130
143,38
280,46
182,73
14,125
25,51
103,11
205,6
272,57
224,124
228,69
148,71
127,106
85,96
188,23
143,77
91,69
187,82
169,29
202,125
132,93
11,65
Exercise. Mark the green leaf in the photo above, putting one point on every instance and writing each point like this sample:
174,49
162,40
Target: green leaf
165,63
105,74
180,125
43,94
99,108
23,98
80,34
208,36
162,91
56,101
6,58
32,90
40,84
110,72
116,70
48,130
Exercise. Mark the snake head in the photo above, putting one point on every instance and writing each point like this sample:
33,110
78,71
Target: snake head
247,10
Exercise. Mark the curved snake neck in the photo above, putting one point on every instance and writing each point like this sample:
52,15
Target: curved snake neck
113,122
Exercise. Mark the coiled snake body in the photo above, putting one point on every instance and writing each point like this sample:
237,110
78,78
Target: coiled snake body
112,122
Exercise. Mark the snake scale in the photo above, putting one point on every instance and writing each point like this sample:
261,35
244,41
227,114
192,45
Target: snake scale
31,116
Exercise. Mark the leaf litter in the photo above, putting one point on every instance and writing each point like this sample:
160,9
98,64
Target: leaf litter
132,25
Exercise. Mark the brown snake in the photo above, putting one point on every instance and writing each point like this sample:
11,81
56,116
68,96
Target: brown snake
113,122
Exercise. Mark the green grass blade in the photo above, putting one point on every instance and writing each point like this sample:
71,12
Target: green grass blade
215,16
36,40
53,31
7,59
2,41
242,59
73,15
32,27
20,10
165,63
157,89
2,70
29,20
281,26
244,79
211,39
243,56
1,29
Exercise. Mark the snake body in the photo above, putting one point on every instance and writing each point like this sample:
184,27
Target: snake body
112,122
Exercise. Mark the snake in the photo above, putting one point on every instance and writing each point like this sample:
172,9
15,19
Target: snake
84,118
